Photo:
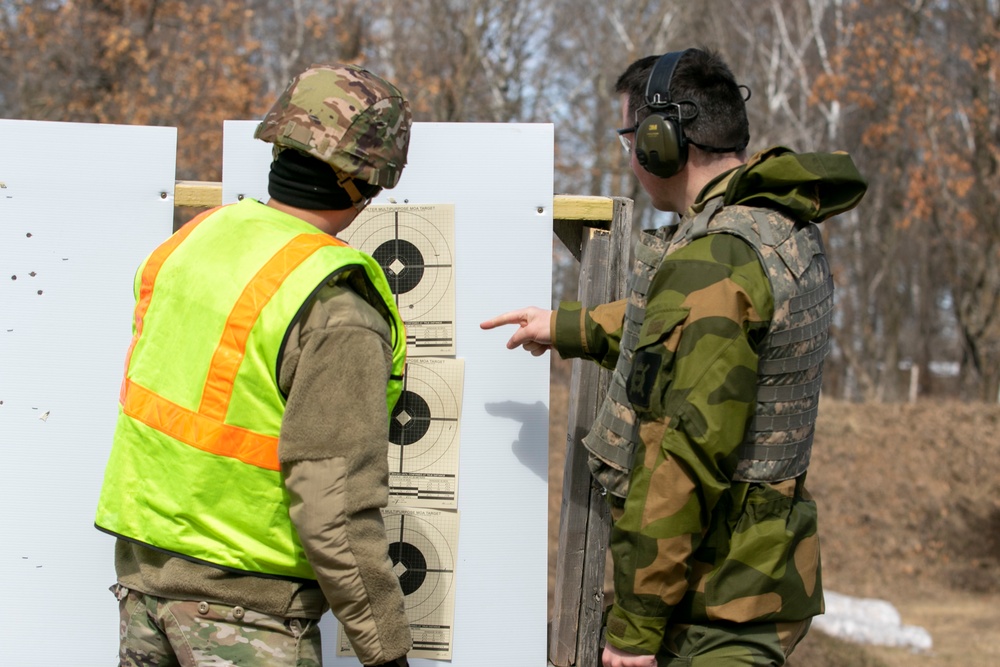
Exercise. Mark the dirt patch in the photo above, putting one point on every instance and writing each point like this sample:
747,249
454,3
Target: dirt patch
909,499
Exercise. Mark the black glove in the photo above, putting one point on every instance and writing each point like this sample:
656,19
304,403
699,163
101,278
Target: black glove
398,662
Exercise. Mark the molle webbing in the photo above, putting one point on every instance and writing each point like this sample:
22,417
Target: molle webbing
778,442
611,440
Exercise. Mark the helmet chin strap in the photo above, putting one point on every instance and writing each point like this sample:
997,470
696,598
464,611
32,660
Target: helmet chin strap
347,183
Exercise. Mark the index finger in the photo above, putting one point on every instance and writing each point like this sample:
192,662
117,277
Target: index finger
510,317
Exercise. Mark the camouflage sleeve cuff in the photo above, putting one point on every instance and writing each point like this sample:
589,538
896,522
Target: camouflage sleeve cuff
635,634
569,336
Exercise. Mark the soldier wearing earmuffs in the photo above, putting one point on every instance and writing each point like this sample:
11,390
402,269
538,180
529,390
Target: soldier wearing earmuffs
704,438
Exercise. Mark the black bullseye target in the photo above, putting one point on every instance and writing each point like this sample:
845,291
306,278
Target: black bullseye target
410,566
413,246
402,263
411,418
423,561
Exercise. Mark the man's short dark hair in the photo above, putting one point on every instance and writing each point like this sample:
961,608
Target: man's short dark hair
704,78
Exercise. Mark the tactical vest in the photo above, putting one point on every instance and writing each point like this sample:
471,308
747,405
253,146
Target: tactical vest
194,467
612,437
778,440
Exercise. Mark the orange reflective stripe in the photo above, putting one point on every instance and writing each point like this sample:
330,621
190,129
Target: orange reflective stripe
232,345
149,272
206,429
199,431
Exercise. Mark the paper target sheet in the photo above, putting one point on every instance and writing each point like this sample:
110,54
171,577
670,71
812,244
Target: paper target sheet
414,244
424,434
422,546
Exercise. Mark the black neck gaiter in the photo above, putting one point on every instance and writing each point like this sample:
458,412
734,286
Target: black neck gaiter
302,181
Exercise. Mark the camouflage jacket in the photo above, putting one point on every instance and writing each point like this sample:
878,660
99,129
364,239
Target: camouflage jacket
690,545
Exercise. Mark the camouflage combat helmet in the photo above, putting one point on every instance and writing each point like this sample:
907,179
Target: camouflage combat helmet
345,116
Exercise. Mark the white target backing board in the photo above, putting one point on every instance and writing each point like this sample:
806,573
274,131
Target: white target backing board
94,209
80,206
424,433
498,179
423,544
415,246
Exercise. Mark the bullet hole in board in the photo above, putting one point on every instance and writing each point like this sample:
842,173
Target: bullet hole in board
28,235
39,291
32,274
13,277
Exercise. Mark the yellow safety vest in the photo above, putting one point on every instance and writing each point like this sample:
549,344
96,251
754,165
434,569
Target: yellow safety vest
194,465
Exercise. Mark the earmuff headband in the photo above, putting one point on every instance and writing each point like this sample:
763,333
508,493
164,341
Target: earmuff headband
658,84
659,145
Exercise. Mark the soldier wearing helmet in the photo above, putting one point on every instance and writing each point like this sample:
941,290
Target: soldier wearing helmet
249,462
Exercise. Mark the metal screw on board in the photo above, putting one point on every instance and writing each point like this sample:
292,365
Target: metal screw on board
163,195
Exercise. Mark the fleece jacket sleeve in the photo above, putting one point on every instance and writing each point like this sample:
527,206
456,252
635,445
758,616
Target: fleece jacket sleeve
333,453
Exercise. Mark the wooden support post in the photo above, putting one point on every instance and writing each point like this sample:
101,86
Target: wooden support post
584,519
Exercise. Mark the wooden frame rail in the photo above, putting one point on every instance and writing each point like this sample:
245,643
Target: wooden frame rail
206,194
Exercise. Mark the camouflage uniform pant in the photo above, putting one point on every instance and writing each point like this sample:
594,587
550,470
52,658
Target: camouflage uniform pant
739,645
182,633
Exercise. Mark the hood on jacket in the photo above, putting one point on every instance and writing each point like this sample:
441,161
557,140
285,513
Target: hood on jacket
807,186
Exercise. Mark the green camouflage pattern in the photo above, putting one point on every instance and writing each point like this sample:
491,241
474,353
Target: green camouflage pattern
611,440
156,631
807,187
750,645
345,116
691,545
810,187
778,441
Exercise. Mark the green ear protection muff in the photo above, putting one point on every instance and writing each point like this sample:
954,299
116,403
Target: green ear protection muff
660,145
